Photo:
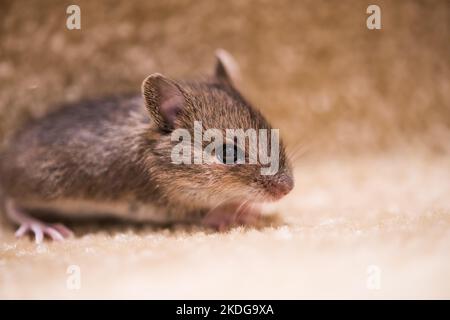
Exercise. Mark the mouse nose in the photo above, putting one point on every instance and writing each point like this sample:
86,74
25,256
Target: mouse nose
285,183
280,185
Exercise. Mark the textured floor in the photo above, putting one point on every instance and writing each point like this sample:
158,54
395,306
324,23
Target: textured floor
366,213
361,227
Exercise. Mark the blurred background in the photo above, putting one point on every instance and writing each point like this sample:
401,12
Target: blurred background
312,67
365,114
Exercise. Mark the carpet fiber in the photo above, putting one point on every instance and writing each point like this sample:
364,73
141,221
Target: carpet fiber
347,221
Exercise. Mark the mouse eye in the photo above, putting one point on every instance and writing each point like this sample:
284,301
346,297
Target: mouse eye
229,154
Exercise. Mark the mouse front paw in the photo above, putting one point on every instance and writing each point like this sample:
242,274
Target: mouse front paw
232,215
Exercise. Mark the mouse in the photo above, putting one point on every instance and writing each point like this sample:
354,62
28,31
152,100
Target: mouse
112,157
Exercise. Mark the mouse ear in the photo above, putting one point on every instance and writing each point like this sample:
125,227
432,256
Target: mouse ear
164,100
227,69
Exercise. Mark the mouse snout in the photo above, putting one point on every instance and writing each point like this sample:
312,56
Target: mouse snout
285,183
279,185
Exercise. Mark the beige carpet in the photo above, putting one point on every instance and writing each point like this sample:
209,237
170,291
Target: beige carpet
370,214
363,227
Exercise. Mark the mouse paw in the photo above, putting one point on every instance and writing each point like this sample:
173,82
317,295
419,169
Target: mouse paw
57,232
31,225
229,216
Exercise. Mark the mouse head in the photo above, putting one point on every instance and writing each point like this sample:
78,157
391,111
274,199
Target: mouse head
186,114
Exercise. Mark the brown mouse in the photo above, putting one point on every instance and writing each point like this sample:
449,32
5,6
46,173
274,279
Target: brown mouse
113,157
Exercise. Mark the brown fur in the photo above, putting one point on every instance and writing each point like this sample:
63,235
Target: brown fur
109,150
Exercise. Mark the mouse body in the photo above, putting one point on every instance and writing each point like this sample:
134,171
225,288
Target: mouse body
113,157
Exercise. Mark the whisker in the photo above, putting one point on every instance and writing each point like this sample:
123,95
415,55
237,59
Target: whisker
299,151
239,211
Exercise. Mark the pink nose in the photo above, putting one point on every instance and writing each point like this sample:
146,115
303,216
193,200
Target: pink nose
279,185
284,184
